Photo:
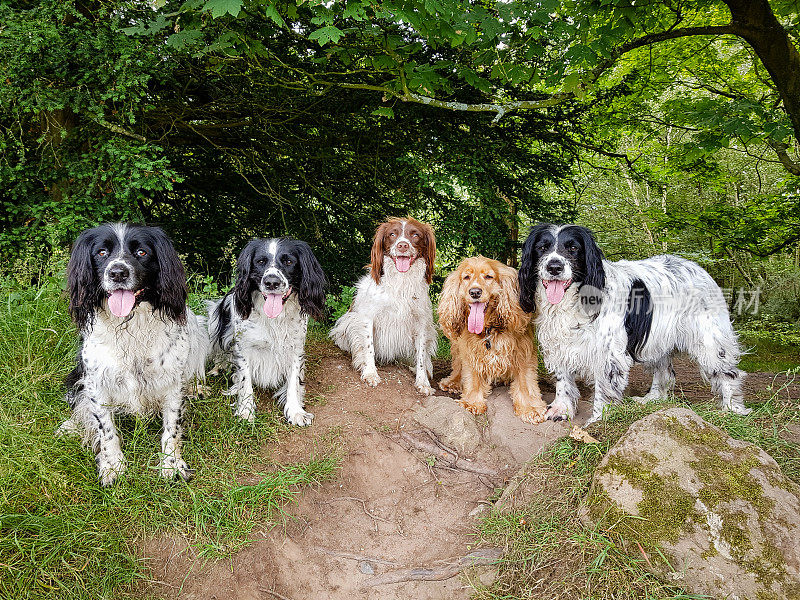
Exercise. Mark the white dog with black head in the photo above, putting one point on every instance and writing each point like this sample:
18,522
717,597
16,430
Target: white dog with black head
596,317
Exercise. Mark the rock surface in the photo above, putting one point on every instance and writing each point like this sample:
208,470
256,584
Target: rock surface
453,423
720,510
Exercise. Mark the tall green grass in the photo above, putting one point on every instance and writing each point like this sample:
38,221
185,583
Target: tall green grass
61,534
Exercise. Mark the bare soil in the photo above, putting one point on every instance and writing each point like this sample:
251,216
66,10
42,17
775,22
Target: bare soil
392,512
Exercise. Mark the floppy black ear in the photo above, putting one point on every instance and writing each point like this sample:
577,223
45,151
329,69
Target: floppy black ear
595,273
85,292
171,294
529,268
242,291
311,294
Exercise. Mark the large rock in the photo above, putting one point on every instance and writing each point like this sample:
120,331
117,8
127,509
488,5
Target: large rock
453,423
719,510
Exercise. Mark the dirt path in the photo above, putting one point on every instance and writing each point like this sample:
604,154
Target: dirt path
391,508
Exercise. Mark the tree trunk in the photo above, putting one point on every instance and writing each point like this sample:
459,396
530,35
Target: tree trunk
754,21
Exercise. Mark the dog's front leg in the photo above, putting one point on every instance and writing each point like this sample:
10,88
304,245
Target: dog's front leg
610,381
242,385
110,460
475,389
172,414
364,353
293,409
423,343
524,390
564,405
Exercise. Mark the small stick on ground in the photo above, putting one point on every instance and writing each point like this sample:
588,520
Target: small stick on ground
433,449
364,506
483,556
358,557
441,445
273,593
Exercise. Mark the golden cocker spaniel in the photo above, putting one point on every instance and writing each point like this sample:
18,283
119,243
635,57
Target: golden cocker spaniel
491,337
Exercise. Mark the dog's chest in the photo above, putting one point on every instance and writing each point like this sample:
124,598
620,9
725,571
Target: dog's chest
264,334
134,359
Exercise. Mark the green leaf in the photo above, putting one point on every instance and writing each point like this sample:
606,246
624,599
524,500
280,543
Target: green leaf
220,8
329,33
273,15
383,111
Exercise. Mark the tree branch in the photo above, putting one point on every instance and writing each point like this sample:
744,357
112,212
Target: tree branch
117,129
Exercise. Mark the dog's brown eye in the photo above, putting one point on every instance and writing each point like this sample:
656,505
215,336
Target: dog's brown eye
487,276
102,252
141,252
466,277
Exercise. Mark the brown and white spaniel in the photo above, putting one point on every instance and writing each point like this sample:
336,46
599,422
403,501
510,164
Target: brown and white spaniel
391,318
491,337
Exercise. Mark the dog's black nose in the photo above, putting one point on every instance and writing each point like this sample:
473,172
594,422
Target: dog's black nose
119,273
554,267
475,293
402,246
272,282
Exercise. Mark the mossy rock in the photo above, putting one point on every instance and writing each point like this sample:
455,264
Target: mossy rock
706,512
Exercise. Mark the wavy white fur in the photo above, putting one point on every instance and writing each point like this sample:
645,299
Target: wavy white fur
390,321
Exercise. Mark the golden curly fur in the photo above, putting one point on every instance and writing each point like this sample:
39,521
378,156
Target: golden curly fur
504,351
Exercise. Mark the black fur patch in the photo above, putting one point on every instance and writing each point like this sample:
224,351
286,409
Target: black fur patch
223,322
638,317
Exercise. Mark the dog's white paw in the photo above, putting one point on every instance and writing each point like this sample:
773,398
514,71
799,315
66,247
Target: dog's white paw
425,389
300,418
170,468
246,410
738,409
371,378
559,411
68,428
109,468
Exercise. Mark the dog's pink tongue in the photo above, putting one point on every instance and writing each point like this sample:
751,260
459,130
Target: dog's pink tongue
403,263
555,290
273,305
476,314
121,302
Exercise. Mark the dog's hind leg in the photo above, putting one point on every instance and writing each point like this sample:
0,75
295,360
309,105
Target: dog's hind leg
663,380
452,383
716,350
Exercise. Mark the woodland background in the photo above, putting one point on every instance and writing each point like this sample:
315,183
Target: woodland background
667,126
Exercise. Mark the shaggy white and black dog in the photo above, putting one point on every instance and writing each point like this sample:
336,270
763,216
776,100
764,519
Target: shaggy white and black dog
391,317
259,328
595,318
140,343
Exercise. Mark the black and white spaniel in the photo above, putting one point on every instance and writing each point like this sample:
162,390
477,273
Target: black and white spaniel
140,343
596,317
391,317
259,328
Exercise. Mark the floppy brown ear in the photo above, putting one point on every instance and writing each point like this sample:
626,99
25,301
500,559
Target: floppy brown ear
430,251
376,258
452,311
508,309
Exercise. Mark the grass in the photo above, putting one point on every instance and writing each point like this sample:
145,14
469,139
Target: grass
61,534
552,553
771,356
